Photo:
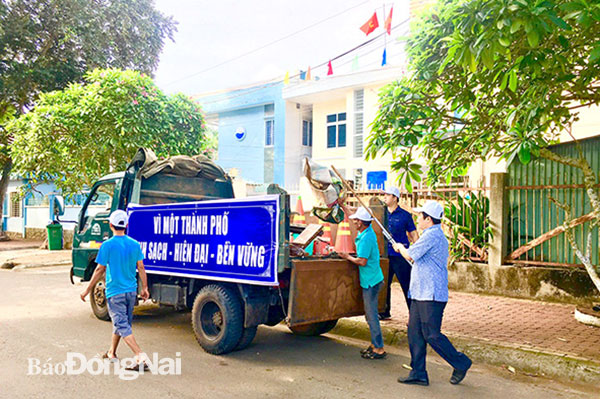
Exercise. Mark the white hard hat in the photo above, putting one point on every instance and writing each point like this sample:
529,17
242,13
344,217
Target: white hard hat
362,214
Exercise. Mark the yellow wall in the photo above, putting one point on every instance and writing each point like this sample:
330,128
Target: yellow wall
343,158
587,126
320,112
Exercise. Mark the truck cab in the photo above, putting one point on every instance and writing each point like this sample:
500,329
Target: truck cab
92,225
117,190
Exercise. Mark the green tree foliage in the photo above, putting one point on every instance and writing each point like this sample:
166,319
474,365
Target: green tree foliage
76,135
468,217
47,44
493,78
490,78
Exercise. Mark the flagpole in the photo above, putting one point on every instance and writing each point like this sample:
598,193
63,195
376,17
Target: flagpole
384,35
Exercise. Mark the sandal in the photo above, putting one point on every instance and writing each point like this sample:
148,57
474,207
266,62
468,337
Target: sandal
138,367
373,355
366,350
112,359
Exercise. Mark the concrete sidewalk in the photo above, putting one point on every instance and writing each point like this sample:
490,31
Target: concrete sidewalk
33,257
529,336
22,254
15,245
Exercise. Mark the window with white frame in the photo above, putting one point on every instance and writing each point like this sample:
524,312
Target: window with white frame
307,133
336,130
269,125
359,101
269,132
14,205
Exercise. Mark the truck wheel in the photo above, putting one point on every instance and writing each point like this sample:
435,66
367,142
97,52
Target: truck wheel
314,329
246,339
98,301
217,319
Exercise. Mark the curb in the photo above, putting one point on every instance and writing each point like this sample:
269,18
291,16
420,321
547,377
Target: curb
523,360
43,264
20,248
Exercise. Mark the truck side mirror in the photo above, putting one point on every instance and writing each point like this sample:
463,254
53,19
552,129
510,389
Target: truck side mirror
58,205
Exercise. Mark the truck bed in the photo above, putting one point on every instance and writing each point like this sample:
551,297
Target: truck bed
165,188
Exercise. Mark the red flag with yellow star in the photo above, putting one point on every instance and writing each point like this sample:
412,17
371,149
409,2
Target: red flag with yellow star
370,25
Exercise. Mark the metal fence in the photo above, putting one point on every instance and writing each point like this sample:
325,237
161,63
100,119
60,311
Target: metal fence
466,225
532,214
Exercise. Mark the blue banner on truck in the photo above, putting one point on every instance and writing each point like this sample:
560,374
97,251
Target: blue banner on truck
229,240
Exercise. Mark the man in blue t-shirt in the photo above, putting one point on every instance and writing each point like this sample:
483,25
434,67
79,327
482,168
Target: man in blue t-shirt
119,257
401,226
370,276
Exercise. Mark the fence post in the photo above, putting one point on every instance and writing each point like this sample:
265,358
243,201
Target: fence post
498,218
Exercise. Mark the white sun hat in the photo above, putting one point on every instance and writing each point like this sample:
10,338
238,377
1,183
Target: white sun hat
432,208
393,191
118,218
362,214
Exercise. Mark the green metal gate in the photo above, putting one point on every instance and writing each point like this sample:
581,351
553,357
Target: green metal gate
531,213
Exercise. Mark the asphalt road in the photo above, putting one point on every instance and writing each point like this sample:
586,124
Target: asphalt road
42,317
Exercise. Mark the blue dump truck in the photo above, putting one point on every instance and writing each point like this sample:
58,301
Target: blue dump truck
226,259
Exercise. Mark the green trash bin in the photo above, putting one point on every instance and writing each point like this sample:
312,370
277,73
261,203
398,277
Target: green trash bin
55,236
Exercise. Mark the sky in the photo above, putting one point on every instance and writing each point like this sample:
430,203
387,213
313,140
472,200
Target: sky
212,32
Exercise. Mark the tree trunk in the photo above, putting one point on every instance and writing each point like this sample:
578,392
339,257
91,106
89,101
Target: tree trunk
550,234
6,168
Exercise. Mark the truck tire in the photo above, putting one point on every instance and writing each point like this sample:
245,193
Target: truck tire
217,319
246,339
98,301
314,329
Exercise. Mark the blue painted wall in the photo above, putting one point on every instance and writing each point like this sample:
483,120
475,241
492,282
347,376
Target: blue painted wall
246,155
245,108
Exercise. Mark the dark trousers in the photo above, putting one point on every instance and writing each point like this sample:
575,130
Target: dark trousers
400,268
424,325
